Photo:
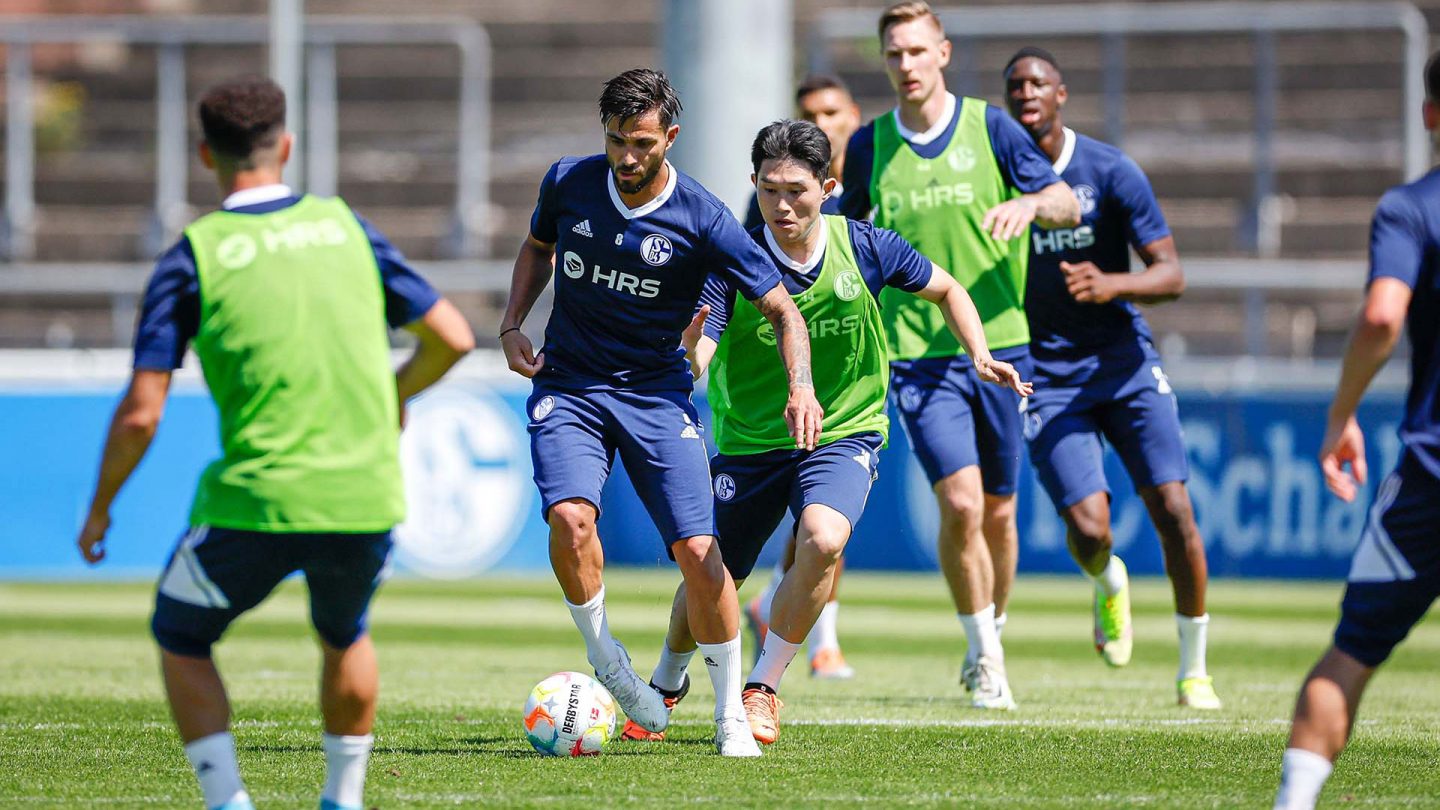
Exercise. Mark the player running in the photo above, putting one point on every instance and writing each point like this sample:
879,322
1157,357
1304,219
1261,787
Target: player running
636,240
826,102
1395,574
835,269
961,182
288,301
1098,375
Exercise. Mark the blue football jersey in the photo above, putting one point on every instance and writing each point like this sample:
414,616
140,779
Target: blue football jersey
1405,245
627,280
1117,211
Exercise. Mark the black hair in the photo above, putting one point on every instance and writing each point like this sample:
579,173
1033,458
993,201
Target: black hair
816,82
800,141
1432,77
1032,52
636,92
241,115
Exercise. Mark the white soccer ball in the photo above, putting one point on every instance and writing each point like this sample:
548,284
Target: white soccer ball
569,715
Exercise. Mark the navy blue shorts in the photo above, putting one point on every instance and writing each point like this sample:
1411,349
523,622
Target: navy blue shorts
1127,401
574,437
954,420
1395,573
214,575
753,492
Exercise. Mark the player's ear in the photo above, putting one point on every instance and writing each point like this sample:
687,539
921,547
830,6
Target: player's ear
828,186
1431,113
206,156
754,181
945,48
670,135
287,140
1061,95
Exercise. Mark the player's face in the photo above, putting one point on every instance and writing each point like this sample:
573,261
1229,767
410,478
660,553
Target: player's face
1034,94
790,197
635,149
835,112
916,54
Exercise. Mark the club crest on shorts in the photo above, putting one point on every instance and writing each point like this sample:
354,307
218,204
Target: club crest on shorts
910,398
656,249
543,408
724,486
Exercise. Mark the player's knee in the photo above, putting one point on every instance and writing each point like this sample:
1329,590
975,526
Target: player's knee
825,542
960,507
696,550
1174,518
999,510
573,521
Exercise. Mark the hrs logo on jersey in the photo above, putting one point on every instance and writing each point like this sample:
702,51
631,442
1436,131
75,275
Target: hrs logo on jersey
617,280
1062,239
933,195
818,327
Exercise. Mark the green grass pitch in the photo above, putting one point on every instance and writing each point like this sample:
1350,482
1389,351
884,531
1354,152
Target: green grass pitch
83,723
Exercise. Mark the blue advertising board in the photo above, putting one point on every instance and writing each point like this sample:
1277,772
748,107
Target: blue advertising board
1258,493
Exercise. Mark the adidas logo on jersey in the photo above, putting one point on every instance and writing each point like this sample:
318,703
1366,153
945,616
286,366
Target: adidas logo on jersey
583,228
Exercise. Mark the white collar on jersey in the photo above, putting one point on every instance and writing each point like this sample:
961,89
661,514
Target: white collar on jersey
631,213
256,196
1066,152
922,138
803,268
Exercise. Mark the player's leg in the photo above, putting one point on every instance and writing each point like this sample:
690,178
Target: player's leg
213,577
827,662
343,573
657,435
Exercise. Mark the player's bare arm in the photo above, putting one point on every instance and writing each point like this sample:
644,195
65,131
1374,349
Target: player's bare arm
1162,279
533,268
131,430
1376,332
802,412
1054,206
444,338
965,324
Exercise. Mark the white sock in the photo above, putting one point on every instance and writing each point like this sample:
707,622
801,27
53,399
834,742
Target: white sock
723,662
775,656
1000,624
767,596
345,760
1111,580
980,634
823,636
1302,775
670,672
595,628
1192,644
213,759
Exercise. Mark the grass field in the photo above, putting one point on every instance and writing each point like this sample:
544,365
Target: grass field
82,721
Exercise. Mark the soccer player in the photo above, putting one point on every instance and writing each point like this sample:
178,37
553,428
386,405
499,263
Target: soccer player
636,240
1098,376
835,269
1395,574
962,182
826,102
287,301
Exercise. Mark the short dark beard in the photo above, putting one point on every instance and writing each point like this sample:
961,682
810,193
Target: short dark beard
633,187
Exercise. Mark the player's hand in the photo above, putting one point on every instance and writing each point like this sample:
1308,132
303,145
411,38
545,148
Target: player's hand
804,417
1001,373
520,354
1344,444
1087,283
1010,218
691,336
92,537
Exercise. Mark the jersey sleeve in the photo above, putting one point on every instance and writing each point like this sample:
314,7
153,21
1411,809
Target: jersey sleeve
1130,189
734,256
859,163
170,312
719,293
896,263
543,222
408,296
1025,167
1397,239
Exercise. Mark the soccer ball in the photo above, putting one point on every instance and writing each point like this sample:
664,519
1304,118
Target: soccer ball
569,715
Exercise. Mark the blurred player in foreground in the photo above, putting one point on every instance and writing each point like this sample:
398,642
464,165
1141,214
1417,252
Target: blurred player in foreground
1395,574
636,240
288,301
834,268
961,182
826,102
1098,376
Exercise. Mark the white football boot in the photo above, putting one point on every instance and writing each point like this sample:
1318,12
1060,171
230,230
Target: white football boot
733,737
991,689
638,699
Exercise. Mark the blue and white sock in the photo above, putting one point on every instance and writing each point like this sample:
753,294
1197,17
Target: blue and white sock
346,758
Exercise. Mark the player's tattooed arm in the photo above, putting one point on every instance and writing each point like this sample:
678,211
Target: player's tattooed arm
1054,206
803,413
131,430
533,268
965,324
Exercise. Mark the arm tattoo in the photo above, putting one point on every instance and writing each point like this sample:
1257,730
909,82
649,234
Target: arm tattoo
791,336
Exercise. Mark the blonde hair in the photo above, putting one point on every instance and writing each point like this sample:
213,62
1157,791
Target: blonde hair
905,12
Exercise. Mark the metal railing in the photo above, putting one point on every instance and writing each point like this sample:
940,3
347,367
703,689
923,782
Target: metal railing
172,35
1115,22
